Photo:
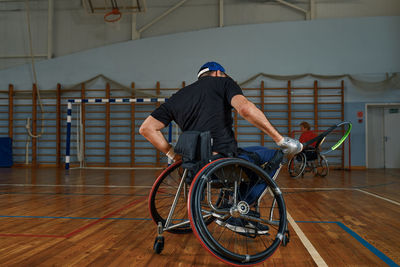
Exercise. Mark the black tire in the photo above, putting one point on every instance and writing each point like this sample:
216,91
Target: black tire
162,196
322,167
296,165
158,244
226,244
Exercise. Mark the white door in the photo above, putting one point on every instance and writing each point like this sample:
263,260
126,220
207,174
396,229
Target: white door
375,137
392,136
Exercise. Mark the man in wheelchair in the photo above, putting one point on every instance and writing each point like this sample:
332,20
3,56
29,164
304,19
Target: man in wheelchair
206,106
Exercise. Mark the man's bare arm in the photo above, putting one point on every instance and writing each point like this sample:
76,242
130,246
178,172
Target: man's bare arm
255,116
252,114
151,130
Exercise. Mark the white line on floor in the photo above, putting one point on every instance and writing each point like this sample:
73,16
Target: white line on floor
316,189
377,196
310,248
150,186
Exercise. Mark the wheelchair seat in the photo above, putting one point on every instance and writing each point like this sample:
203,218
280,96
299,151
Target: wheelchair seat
195,149
309,160
311,153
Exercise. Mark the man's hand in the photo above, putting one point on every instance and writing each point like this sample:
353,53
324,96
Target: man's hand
290,146
177,157
172,155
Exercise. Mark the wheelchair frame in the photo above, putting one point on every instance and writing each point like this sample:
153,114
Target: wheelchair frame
299,164
199,218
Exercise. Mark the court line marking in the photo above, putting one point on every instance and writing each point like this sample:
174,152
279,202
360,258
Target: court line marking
150,186
104,217
319,189
306,242
76,231
77,185
370,247
72,194
32,235
73,218
351,189
378,196
117,168
361,240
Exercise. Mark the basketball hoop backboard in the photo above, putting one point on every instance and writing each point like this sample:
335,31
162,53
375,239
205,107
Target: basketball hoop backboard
102,7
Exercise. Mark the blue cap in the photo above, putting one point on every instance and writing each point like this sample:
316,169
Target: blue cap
210,66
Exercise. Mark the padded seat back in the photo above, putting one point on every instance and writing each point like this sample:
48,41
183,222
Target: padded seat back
195,149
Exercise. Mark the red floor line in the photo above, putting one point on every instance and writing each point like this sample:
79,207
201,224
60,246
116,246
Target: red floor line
31,235
81,228
103,218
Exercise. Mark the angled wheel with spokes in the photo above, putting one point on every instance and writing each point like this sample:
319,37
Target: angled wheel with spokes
322,166
248,210
162,197
296,165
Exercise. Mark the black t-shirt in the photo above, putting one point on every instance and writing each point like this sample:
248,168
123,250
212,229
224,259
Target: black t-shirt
204,105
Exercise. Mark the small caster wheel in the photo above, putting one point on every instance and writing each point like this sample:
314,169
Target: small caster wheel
158,244
286,239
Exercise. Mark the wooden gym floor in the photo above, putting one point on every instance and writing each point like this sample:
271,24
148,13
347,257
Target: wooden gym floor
100,218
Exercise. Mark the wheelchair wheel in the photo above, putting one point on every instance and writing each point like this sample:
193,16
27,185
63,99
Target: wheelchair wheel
322,168
246,230
296,165
162,196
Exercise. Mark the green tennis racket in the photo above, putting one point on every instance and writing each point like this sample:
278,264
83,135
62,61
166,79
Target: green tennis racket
332,138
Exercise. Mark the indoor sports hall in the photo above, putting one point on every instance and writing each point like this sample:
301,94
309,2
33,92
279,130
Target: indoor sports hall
199,133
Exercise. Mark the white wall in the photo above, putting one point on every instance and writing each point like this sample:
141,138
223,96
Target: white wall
335,46
368,47
75,30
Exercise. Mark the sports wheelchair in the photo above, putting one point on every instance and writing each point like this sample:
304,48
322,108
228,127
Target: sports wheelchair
234,208
309,160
